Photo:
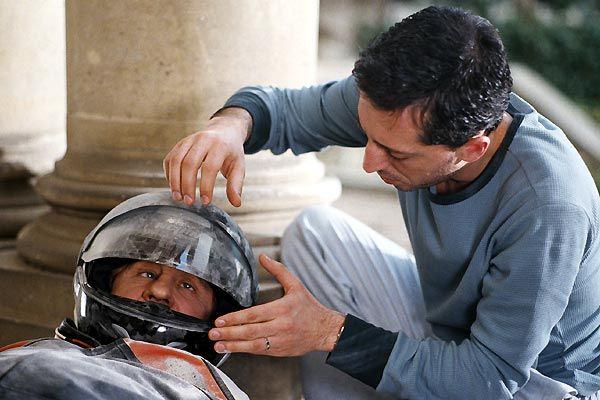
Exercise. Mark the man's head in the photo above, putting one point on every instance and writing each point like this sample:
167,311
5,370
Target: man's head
159,271
430,85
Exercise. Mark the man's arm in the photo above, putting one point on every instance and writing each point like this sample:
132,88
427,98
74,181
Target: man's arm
258,118
302,120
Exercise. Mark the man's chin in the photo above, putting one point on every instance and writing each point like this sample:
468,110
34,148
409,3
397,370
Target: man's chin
401,185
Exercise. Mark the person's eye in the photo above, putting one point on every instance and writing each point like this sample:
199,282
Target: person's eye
147,274
188,286
397,156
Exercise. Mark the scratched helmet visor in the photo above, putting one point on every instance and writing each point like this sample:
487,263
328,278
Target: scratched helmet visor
200,240
181,239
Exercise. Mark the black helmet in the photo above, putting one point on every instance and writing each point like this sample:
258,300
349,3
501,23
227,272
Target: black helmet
201,240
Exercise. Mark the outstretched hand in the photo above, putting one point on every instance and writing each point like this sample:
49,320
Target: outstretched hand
290,326
218,147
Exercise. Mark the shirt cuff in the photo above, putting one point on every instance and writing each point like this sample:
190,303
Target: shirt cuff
362,350
261,120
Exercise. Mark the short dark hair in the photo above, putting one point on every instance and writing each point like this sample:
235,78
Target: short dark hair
446,60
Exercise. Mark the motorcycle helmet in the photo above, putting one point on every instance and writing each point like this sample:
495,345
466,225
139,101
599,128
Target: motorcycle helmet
200,240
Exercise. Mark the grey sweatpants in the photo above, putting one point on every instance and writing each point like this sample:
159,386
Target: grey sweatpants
351,268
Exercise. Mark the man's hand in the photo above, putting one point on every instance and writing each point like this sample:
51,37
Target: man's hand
218,147
290,326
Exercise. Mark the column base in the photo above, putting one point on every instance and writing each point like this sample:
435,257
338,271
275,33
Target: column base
32,301
19,205
53,240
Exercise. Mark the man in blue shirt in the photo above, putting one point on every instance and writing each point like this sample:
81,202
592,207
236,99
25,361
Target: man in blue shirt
502,296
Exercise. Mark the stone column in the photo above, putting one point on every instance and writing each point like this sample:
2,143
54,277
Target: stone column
140,76
32,104
143,74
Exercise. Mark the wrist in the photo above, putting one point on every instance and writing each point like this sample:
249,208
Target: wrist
242,118
334,331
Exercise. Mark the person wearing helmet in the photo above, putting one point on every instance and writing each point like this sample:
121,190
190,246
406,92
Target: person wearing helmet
150,279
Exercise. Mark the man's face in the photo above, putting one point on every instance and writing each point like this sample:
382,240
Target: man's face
180,291
395,151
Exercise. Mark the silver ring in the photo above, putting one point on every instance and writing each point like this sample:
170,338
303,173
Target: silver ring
267,343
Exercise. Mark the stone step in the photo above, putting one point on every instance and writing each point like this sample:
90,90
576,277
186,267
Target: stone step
31,296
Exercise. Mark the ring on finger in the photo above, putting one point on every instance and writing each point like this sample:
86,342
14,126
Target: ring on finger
267,343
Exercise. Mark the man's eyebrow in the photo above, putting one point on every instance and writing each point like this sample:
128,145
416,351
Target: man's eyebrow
394,151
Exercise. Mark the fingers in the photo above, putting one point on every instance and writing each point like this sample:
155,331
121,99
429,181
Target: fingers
217,147
243,338
210,156
210,168
235,181
253,338
256,346
243,332
261,313
189,156
172,164
189,172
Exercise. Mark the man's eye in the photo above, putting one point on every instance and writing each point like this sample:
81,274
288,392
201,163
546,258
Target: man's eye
396,156
148,274
187,286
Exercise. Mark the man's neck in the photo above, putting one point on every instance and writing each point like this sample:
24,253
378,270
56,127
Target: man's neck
467,174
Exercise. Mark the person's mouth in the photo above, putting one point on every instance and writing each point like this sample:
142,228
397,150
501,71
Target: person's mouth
386,178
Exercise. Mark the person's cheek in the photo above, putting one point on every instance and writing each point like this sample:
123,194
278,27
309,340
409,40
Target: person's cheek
133,292
196,306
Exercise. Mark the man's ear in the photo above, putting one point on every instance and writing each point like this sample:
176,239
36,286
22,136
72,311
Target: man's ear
474,149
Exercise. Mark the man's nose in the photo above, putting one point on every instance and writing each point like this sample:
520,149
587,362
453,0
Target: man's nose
159,291
374,158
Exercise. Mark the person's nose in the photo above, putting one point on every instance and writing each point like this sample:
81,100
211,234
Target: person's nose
374,158
159,291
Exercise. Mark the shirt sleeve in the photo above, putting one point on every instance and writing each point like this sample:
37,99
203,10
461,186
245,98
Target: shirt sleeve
362,350
524,294
303,120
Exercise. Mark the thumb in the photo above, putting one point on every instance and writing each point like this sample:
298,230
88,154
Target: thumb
278,271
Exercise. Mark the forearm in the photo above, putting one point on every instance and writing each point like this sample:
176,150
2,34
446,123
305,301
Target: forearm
302,120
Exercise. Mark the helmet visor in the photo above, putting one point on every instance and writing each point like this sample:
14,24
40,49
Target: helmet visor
176,237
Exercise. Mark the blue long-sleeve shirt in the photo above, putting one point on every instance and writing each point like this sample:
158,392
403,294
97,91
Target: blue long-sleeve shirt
509,266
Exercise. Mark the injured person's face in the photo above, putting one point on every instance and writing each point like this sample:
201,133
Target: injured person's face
180,291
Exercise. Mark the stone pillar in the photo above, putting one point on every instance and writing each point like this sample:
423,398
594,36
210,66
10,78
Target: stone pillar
32,104
140,76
